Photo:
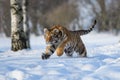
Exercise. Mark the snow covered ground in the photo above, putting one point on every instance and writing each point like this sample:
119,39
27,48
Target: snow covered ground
103,62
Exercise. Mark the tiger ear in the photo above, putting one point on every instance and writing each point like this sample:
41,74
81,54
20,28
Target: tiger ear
56,30
45,30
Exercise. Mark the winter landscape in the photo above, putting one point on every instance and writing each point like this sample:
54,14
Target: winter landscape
22,26
102,63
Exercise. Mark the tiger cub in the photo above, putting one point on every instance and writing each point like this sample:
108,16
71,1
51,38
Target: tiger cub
61,40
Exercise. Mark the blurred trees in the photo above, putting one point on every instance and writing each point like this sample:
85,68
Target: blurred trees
5,17
109,15
45,13
39,11
62,15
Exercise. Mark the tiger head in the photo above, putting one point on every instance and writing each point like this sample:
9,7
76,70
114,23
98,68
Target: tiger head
53,35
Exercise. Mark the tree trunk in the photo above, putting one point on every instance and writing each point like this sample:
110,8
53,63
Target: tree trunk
25,22
17,33
103,18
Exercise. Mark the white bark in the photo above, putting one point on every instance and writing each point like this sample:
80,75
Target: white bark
16,15
17,33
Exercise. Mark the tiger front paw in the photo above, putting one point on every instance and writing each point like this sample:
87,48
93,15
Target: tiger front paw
45,56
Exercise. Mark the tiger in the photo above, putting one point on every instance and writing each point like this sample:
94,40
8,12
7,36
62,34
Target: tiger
61,40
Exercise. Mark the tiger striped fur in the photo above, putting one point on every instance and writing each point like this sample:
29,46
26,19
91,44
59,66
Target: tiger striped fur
62,40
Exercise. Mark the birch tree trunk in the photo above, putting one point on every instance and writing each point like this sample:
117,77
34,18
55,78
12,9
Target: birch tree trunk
17,33
25,22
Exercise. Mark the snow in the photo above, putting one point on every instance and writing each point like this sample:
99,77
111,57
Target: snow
102,63
16,74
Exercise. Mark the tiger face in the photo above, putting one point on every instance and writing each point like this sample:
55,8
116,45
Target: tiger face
52,36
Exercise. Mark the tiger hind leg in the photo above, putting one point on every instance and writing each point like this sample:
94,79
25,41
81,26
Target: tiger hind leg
82,52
